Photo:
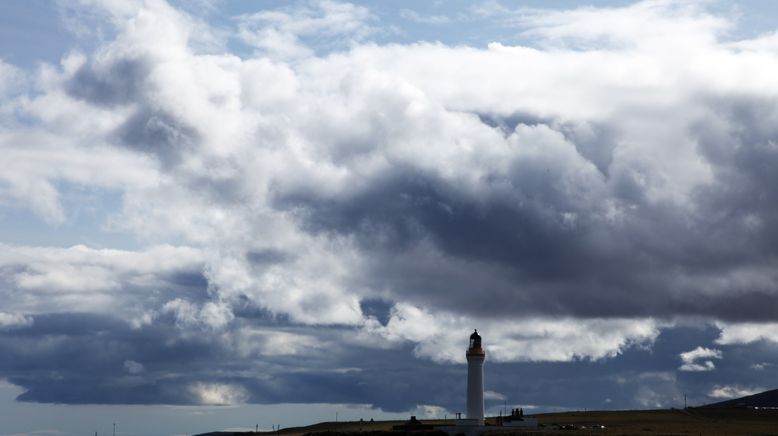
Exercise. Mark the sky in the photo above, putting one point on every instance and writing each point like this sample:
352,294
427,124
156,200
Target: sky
227,214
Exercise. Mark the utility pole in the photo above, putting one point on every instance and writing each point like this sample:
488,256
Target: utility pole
114,429
684,401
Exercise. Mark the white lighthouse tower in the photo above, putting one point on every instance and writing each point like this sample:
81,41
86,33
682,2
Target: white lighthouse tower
475,379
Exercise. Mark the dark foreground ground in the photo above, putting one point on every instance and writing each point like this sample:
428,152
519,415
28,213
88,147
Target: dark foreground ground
719,422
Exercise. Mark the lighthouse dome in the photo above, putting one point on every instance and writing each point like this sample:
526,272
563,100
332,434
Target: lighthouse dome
475,340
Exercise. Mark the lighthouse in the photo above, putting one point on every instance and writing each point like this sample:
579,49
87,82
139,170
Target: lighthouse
475,379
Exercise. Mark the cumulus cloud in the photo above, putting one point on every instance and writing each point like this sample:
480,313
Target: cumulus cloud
439,336
746,333
569,200
699,359
125,284
727,391
374,180
14,320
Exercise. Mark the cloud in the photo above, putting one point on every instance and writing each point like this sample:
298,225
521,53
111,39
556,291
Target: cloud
570,200
38,163
746,333
219,394
727,391
492,395
282,33
656,390
695,360
410,14
686,24
130,285
14,320
439,336
393,182
761,366
431,411
189,315
12,80
133,367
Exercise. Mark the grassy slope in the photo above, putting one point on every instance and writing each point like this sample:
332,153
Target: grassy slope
640,422
676,422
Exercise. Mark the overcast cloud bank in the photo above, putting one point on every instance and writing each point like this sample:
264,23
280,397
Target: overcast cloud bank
327,202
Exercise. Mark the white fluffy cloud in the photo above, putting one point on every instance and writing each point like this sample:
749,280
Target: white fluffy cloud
14,320
82,279
730,391
561,199
35,162
699,359
746,333
439,336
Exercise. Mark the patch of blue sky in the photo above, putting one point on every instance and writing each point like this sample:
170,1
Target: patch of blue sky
38,31
755,17
31,31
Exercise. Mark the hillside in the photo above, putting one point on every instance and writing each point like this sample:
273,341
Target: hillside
762,399
722,422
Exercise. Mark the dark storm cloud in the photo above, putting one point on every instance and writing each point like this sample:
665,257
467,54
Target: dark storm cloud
392,388
189,279
594,141
396,212
267,257
742,147
115,83
159,133
80,359
378,308
150,129
512,235
638,378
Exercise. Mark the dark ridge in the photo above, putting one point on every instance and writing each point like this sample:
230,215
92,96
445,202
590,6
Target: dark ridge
767,399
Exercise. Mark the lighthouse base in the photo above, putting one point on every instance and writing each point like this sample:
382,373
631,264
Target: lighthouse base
474,427
469,422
